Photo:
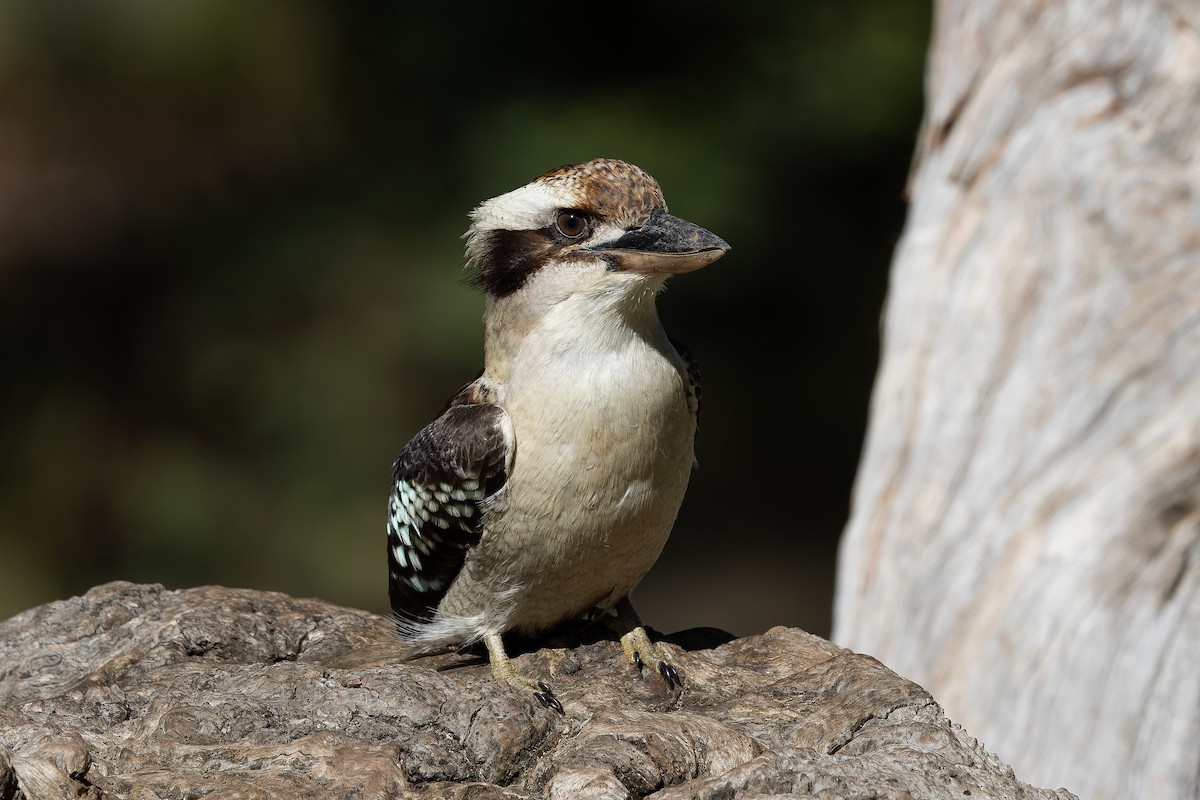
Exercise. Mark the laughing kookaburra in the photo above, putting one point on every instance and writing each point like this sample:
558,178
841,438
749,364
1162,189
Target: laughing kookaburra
547,487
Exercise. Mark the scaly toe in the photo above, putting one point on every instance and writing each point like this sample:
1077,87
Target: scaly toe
637,642
505,672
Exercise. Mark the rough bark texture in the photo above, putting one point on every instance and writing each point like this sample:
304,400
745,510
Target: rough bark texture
136,692
1025,535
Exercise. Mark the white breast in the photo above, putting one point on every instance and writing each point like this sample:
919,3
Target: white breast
603,456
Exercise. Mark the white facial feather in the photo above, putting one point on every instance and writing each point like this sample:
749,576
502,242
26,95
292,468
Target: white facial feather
530,207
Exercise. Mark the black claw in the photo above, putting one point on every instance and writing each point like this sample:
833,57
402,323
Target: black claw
547,698
637,660
670,675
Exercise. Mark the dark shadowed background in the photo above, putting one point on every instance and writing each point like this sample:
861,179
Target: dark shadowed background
231,287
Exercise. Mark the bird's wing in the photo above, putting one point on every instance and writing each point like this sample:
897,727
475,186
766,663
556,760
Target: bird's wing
443,480
692,385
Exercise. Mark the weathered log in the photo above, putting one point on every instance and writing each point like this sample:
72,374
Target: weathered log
1025,533
133,691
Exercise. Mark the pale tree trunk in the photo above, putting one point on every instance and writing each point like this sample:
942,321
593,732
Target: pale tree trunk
1025,534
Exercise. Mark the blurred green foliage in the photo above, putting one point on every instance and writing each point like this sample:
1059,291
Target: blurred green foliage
230,284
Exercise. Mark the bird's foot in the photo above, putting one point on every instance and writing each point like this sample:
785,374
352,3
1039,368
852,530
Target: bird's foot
546,697
639,649
505,672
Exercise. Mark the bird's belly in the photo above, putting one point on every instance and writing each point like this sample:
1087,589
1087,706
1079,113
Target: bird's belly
591,541
590,504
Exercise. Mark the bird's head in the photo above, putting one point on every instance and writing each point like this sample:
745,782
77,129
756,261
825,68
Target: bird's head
597,230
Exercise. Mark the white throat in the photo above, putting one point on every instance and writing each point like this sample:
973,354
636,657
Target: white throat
598,323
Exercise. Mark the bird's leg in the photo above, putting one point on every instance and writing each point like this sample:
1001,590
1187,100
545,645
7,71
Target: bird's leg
636,644
504,671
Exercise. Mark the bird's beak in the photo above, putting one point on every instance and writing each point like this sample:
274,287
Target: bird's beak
664,244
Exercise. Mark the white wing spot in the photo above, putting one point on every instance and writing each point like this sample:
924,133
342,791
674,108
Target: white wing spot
422,584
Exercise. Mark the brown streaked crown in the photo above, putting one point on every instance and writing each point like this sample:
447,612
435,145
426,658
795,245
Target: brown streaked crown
622,193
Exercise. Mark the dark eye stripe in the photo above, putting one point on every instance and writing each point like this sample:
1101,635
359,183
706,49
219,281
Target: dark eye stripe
506,259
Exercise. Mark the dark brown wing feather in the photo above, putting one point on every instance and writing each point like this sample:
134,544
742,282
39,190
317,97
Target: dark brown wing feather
692,388
441,481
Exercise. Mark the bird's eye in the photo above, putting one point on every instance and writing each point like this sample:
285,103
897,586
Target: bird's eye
571,224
